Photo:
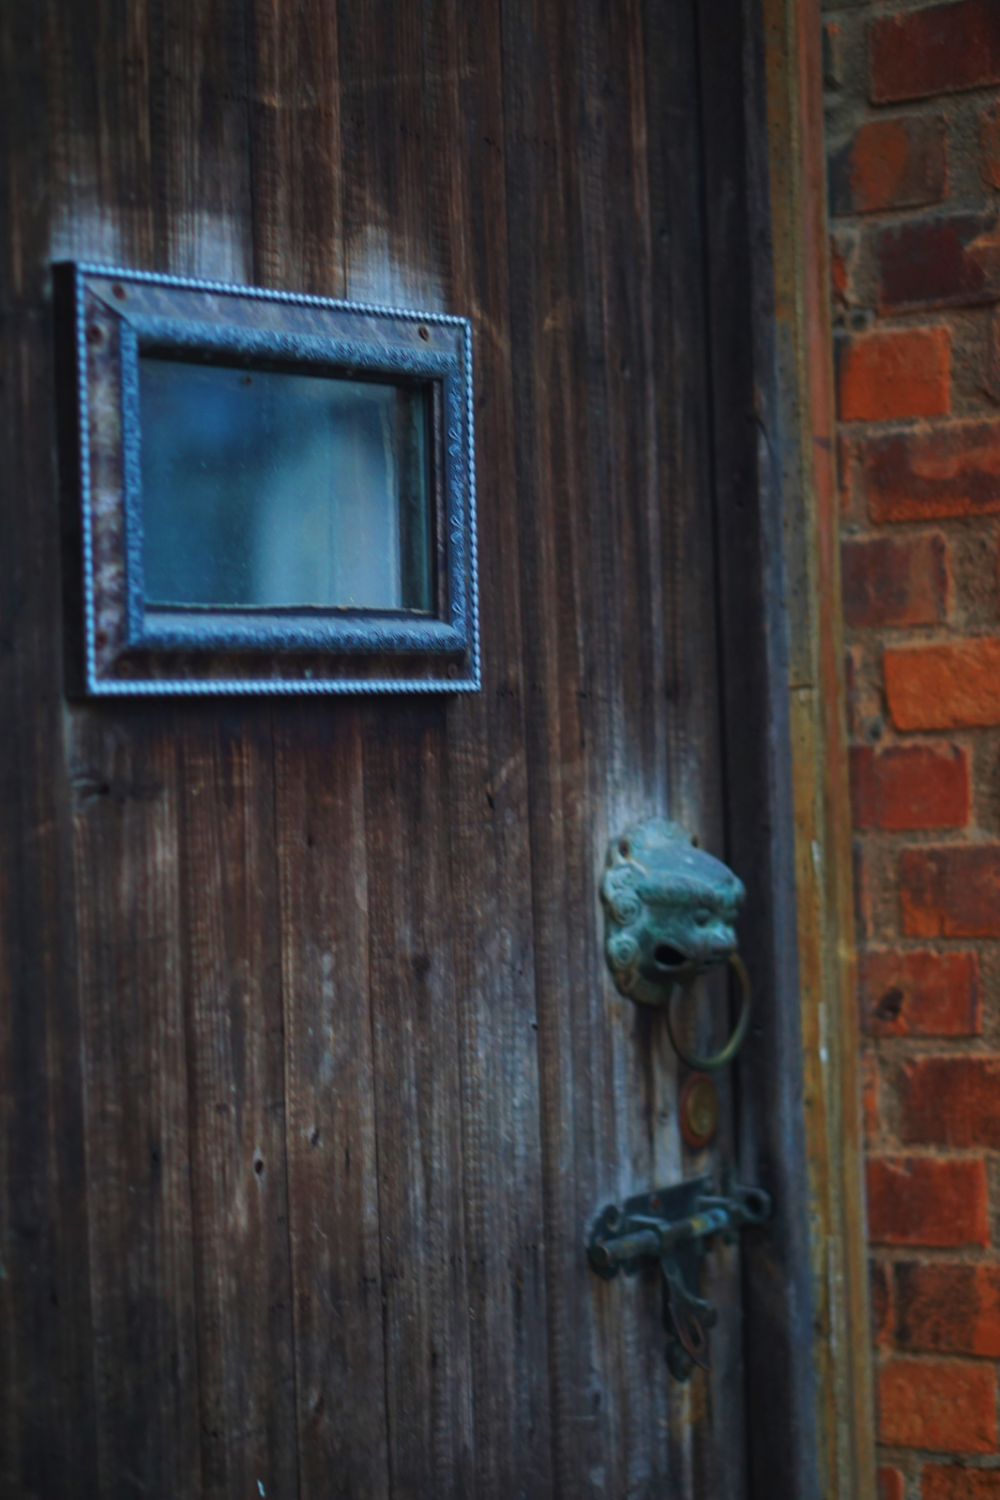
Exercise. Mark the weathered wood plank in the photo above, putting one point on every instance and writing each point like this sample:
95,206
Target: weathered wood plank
387,166
332,1154
164,164
138,1155
47,1414
711,1450
196,107
622,519
298,188
755,749
491,860
232,994
595,752
617,562
298,184
393,254
199,160
547,469
125,850
418,1091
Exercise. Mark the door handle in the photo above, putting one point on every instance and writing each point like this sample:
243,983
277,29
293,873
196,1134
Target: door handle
670,912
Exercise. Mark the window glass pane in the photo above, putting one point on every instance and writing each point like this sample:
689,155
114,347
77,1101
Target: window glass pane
261,488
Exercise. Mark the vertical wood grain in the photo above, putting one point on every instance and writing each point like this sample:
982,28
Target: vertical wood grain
592,523
197,108
139,1164
298,190
491,859
388,165
834,1445
354,1076
712,1449
231,972
615,491
395,251
297,179
123,771
199,112
541,321
332,1154
548,348
47,1410
418,1094
165,156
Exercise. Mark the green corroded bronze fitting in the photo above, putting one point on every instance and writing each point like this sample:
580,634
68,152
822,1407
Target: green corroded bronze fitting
670,912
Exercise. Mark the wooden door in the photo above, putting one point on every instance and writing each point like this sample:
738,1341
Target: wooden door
314,1074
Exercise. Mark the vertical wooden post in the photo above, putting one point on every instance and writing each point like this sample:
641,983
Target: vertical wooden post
797,192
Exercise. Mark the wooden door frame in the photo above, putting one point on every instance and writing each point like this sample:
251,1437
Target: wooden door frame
806,1340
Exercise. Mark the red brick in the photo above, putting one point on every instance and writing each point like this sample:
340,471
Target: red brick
880,1301
907,787
895,580
899,163
937,262
935,50
950,1101
952,469
920,994
869,1094
946,1405
917,1200
949,686
951,1482
949,1309
890,1484
950,890
899,372
989,145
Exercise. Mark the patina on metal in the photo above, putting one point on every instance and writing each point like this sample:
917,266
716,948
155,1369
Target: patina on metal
670,913
698,1110
675,1226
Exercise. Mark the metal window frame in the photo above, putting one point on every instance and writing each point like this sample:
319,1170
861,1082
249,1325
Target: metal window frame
265,651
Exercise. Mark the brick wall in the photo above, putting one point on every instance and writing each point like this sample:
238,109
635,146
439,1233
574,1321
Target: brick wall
913,131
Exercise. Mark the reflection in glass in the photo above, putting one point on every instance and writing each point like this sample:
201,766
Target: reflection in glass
262,488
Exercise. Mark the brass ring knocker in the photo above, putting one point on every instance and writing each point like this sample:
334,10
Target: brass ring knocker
725,1055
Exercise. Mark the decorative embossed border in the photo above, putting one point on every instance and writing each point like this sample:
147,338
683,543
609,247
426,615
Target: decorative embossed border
118,314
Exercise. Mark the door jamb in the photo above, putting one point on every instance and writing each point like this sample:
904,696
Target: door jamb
801,271
806,1339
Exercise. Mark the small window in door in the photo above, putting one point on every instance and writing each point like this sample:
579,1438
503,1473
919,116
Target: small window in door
275,492
270,489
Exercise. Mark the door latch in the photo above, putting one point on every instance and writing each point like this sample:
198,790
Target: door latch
674,1226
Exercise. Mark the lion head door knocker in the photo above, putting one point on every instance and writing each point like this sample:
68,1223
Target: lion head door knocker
670,914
